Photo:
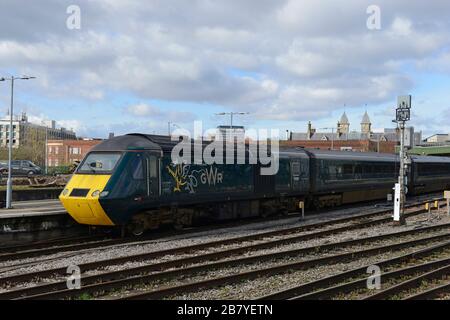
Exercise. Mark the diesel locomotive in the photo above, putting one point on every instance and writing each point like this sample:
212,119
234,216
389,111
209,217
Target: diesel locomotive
130,181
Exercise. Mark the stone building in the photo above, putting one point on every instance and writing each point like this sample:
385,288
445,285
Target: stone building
27,133
342,138
343,125
366,124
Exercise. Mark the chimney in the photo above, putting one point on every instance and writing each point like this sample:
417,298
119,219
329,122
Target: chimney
310,131
111,135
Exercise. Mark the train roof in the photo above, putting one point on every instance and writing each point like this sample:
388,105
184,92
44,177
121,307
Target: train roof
352,155
134,141
127,142
138,141
430,159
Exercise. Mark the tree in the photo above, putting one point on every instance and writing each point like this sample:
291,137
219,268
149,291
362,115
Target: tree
31,146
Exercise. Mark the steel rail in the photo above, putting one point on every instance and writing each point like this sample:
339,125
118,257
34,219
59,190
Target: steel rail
272,270
201,246
430,293
324,283
410,284
48,243
347,287
61,285
120,283
81,246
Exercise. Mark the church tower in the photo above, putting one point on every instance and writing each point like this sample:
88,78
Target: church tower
366,124
343,125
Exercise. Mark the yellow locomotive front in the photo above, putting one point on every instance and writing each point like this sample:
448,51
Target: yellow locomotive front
81,196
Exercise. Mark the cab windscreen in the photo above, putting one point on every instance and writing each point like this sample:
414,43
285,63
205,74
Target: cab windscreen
99,162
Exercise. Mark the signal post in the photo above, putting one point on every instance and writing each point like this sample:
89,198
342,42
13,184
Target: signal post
403,114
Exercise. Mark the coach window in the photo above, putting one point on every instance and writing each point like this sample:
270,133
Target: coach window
348,171
358,171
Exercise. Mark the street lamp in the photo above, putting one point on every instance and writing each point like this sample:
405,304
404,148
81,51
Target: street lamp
11,138
170,125
231,116
332,136
46,150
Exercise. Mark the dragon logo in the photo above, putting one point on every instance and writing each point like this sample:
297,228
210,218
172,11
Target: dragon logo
189,180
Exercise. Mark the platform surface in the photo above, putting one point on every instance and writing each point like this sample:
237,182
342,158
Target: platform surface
33,208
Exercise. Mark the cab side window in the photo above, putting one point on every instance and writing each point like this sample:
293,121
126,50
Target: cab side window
153,163
152,179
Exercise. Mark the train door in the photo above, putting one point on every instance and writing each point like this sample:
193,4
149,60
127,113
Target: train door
152,175
295,169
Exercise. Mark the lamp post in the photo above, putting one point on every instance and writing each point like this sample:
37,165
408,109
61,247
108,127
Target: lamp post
231,116
11,138
46,150
170,125
332,136
230,134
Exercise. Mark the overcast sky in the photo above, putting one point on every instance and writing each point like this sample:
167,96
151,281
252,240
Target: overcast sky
134,65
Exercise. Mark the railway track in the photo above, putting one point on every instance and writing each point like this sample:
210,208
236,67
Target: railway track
178,290
196,264
355,281
432,293
4,250
440,272
89,242
363,223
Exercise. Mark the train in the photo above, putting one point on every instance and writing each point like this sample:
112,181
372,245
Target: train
130,182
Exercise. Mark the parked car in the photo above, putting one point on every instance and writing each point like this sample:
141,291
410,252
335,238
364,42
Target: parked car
20,168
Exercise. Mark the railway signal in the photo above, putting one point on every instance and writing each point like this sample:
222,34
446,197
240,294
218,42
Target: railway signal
403,114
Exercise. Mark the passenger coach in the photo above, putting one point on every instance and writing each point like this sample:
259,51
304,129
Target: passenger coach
131,182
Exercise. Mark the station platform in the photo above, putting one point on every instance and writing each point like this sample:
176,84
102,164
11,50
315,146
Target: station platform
33,208
36,220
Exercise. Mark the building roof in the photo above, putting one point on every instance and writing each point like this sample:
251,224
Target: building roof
365,119
437,135
317,136
344,119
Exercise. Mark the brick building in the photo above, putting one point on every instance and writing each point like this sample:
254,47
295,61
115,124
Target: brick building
342,138
65,152
350,145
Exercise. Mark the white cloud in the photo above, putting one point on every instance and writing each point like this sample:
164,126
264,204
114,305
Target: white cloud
287,59
401,27
143,110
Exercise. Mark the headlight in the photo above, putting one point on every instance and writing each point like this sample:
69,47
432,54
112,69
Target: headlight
104,193
65,192
95,193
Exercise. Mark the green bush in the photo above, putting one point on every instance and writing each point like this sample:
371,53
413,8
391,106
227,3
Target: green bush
59,170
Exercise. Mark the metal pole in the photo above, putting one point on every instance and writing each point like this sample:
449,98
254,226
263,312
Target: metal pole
168,127
231,123
9,182
402,171
332,138
46,150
